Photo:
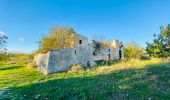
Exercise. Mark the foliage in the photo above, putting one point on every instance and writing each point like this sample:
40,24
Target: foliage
161,44
140,80
59,38
97,46
132,51
3,39
20,58
3,58
106,43
3,54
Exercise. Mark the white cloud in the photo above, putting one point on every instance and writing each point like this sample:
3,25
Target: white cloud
19,50
21,39
2,33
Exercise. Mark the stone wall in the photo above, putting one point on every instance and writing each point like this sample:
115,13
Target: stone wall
104,54
84,54
41,60
62,60
83,40
118,46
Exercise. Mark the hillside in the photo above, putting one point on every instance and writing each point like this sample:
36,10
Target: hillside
148,79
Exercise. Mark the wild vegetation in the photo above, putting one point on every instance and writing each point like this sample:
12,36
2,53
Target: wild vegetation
16,58
132,51
148,79
106,43
132,78
59,38
3,41
3,53
161,44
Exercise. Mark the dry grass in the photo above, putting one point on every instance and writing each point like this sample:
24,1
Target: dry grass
31,65
132,80
76,68
129,65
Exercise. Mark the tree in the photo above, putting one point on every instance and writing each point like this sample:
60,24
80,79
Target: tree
161,44
3,50
132,51
3,39
59,38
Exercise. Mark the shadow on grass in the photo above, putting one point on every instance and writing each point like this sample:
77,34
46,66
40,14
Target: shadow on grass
149,83
11,67
106,63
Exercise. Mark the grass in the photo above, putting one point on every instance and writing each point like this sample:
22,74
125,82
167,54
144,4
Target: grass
106,63
133,80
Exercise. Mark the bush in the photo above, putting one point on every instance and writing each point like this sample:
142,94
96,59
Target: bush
132,51
76,68
3,58
31,65
21,58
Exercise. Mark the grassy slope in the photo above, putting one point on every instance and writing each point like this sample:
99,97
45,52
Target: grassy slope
130,80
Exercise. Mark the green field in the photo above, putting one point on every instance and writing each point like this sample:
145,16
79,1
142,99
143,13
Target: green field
134,80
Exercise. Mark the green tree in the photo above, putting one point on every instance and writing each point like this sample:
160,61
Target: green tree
3,54
132,51
59,38
161,44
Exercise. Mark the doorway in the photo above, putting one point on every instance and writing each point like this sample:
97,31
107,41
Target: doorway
120,54
88,64
109,56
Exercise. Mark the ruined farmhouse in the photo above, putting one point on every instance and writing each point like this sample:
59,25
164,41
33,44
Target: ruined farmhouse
85,52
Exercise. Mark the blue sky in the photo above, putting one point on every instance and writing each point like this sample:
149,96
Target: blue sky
24,21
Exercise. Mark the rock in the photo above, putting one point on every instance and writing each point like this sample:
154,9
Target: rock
145,57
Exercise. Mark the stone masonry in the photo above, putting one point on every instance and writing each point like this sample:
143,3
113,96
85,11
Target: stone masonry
84,53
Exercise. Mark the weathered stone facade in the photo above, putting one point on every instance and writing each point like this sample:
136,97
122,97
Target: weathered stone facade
84,53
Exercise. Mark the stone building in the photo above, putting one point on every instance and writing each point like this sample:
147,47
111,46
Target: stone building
85,53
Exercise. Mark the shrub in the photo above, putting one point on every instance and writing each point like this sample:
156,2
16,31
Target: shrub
76,68
132,51
3,58
21,58
31,65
